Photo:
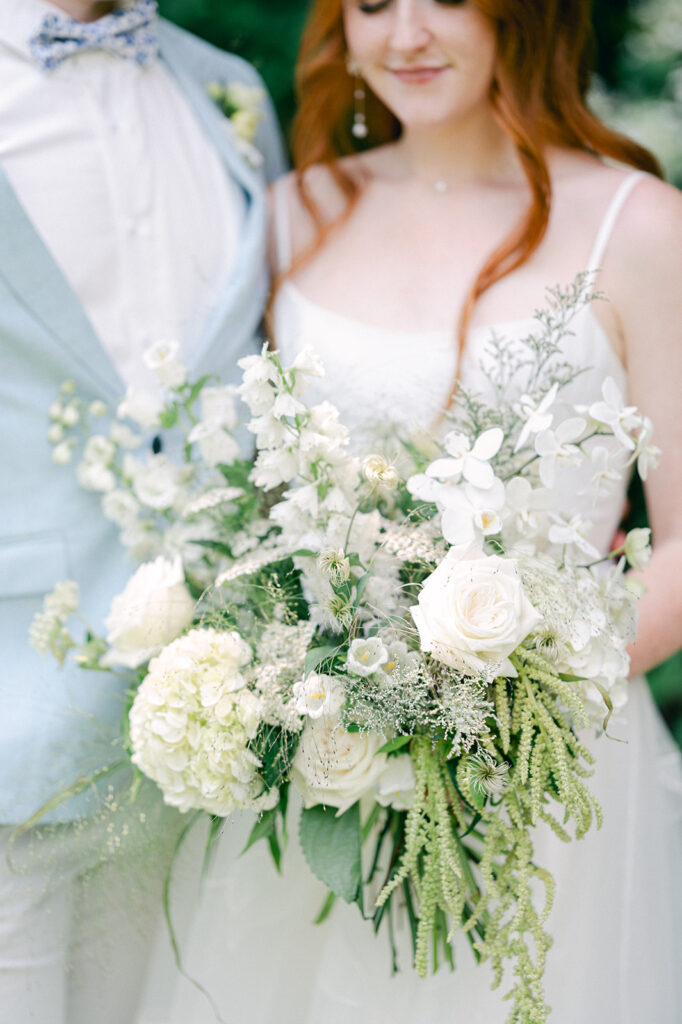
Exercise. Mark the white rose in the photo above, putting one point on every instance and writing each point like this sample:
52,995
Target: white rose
473,612
141,406
154,609
334,767
319,695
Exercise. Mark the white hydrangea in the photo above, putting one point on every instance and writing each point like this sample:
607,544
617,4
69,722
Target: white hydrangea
191,723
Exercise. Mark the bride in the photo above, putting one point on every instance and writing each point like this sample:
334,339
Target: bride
448,173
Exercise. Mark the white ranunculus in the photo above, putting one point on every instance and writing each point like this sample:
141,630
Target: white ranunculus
366,656
154,609
163,358
141,406
319,695
334,767
473,612
396,784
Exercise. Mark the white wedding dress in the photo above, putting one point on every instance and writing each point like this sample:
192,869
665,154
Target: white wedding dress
617,918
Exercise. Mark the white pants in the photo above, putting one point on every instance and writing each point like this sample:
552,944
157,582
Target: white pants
78,906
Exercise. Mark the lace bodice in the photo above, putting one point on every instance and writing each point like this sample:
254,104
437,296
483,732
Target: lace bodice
385,381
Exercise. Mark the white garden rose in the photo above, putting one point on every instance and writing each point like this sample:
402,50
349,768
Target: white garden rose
473,612
154,609
335,767
191,723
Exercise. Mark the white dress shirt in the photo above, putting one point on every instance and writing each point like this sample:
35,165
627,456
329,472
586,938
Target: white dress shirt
123,186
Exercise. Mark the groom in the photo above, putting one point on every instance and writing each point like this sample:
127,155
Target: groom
128,214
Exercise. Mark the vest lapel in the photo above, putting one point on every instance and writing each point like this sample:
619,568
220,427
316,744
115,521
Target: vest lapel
37,281
240,306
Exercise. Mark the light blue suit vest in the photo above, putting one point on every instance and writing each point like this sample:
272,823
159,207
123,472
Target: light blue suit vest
60,724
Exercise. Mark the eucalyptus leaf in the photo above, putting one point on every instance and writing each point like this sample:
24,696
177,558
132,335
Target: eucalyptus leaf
332,848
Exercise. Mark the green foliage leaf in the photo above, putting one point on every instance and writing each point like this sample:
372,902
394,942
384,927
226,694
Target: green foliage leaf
331,846
169,417
265,827
318,655
394,745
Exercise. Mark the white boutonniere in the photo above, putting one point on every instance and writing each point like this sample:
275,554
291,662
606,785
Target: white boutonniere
242,106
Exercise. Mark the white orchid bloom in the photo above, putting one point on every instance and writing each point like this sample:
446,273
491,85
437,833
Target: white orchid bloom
648,455
471,463
572,532
524,503
473,512
556,448
537,417
622,419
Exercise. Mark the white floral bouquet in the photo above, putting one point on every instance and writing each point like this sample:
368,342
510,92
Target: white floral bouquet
413,643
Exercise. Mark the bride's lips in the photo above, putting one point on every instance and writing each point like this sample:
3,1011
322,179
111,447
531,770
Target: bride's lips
417,76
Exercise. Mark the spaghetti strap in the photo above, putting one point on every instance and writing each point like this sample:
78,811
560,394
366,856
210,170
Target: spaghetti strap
282,226
609,220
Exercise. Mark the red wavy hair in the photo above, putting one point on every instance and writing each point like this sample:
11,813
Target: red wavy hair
544,56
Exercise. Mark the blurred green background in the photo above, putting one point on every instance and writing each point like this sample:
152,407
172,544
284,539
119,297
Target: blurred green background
637,88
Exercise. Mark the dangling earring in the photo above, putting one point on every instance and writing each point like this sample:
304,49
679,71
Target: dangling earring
359,127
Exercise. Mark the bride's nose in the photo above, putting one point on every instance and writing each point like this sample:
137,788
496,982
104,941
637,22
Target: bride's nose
409,32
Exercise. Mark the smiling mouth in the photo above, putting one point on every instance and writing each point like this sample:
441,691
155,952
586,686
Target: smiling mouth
417,76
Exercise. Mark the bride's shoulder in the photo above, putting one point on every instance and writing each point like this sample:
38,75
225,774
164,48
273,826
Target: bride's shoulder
651,210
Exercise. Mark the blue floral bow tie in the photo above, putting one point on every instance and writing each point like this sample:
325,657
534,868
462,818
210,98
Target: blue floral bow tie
129,32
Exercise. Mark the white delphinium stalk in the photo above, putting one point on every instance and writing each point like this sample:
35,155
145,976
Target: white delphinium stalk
163,358
142,407
48,633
